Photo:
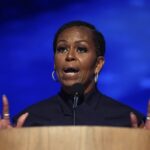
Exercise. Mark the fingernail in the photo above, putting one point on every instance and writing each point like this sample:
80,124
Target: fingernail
26,114
131,113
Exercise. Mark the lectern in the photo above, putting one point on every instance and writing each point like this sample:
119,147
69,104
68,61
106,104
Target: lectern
74,138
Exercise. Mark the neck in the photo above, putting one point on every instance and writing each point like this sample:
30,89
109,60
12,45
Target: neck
87,89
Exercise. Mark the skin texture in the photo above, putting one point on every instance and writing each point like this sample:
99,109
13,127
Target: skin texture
76,49
5,122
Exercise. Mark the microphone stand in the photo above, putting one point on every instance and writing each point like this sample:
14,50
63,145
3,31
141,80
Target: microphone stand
75,104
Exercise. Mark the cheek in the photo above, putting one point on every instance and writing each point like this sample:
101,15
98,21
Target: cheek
58,67
88,66
88,62
58,62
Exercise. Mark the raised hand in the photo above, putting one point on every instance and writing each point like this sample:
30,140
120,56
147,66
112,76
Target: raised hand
134,121
147,123
5,122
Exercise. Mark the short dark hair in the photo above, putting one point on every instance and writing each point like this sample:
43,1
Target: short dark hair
98,37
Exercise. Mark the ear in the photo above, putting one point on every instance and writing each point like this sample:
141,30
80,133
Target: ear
99,64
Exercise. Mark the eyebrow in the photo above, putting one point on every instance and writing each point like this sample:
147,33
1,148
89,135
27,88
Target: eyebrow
82,41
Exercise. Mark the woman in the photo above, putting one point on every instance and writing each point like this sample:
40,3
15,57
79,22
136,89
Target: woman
79,57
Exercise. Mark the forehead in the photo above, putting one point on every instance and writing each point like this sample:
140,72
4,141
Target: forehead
80,32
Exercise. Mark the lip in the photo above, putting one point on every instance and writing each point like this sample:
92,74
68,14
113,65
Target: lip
71,72
71,69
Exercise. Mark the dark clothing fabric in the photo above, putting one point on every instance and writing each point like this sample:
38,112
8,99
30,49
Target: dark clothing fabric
94,109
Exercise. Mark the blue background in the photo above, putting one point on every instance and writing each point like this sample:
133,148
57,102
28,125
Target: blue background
27,29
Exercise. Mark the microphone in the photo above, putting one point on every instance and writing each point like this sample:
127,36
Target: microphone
77,91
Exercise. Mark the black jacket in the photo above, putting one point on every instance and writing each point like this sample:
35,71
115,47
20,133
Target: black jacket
94,109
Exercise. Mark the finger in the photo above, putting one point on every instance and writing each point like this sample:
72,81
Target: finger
148,109
21,120
147,123
4,124
5,107
134,121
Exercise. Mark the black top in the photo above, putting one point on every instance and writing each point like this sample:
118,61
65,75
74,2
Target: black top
94,109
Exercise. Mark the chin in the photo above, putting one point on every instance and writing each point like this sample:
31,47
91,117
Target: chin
69,83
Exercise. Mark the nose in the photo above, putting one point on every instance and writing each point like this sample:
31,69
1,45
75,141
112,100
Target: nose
71,56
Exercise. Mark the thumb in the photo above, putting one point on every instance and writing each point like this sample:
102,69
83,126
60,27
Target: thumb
21,120
134,121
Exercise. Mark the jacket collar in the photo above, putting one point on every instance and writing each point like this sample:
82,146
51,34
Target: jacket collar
87,101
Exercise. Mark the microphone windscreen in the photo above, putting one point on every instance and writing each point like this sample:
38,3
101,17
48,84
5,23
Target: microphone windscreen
77,88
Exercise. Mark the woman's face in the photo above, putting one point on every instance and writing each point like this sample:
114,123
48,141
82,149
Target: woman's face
75,58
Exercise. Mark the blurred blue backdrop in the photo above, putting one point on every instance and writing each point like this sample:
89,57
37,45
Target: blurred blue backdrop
27,28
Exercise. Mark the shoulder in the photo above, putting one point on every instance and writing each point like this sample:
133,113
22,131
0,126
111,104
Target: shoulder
43,107
113,103
115,109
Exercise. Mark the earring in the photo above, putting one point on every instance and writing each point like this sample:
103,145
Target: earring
96,78
53,75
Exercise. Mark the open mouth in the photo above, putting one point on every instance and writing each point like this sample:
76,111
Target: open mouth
71,70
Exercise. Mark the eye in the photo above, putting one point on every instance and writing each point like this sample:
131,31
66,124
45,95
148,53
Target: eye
82,49
61,49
